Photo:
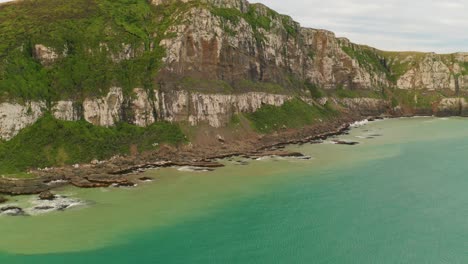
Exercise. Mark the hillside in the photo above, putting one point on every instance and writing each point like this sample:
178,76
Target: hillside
201,65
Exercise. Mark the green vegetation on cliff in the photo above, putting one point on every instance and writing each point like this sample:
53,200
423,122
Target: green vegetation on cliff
368,59
258,17
96,44
50,142
292,114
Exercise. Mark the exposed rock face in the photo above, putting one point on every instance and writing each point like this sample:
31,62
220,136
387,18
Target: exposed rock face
453,106
143,108
215,109
47,195
15,116
45,54
104,111
434,72
22,186
140,109
66,110
177,106
211,47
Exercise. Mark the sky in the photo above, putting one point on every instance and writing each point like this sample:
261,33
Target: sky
399,25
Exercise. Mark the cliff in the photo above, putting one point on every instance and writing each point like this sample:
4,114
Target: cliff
202,62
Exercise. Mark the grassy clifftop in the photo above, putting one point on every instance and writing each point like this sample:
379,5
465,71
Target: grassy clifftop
96,44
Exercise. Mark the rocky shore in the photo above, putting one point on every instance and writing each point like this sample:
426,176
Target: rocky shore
120,171
46,202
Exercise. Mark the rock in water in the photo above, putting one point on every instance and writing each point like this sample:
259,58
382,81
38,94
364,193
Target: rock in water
12,211
47,196
3,199
146,179
342,142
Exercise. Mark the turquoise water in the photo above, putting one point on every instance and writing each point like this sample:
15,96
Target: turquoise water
401,197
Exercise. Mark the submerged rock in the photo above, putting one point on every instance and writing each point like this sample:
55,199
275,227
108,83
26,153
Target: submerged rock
124,184
46,208
195,169
3,199
241,162
342,142
47,195
12,211
59,203
146,179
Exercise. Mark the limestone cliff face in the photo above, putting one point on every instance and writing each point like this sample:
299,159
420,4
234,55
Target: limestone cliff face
104,111
449,106
15,116
140,109
434,72
210,45
214,109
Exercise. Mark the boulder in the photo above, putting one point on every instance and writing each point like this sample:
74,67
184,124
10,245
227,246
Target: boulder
47,195
146,179
342,142
12,211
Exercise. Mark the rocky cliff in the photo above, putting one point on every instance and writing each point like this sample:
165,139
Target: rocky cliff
141,109
251,43
199,61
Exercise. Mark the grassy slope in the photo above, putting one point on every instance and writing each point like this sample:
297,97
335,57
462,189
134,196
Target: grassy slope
90,33
292,114
51,142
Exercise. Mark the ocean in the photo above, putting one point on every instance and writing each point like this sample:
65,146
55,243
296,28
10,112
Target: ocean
400,196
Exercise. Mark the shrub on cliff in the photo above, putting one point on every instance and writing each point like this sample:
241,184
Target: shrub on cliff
292,114
51,142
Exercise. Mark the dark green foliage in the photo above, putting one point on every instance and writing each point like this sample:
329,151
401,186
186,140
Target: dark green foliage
417,98
267,87
368,59
205,85
292,114
51,142
289,25
314,90
89,37
255,19
22,77
230,14
347,93
464,66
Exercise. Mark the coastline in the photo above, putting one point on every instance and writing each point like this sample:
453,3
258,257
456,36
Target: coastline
122,170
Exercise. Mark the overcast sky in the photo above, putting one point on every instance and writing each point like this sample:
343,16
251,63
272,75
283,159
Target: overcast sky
422,25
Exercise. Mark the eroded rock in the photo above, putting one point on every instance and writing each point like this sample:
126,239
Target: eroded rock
47,195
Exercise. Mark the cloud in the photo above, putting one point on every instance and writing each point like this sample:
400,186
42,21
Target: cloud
389,25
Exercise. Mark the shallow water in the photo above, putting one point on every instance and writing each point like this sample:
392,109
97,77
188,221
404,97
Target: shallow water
398,197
